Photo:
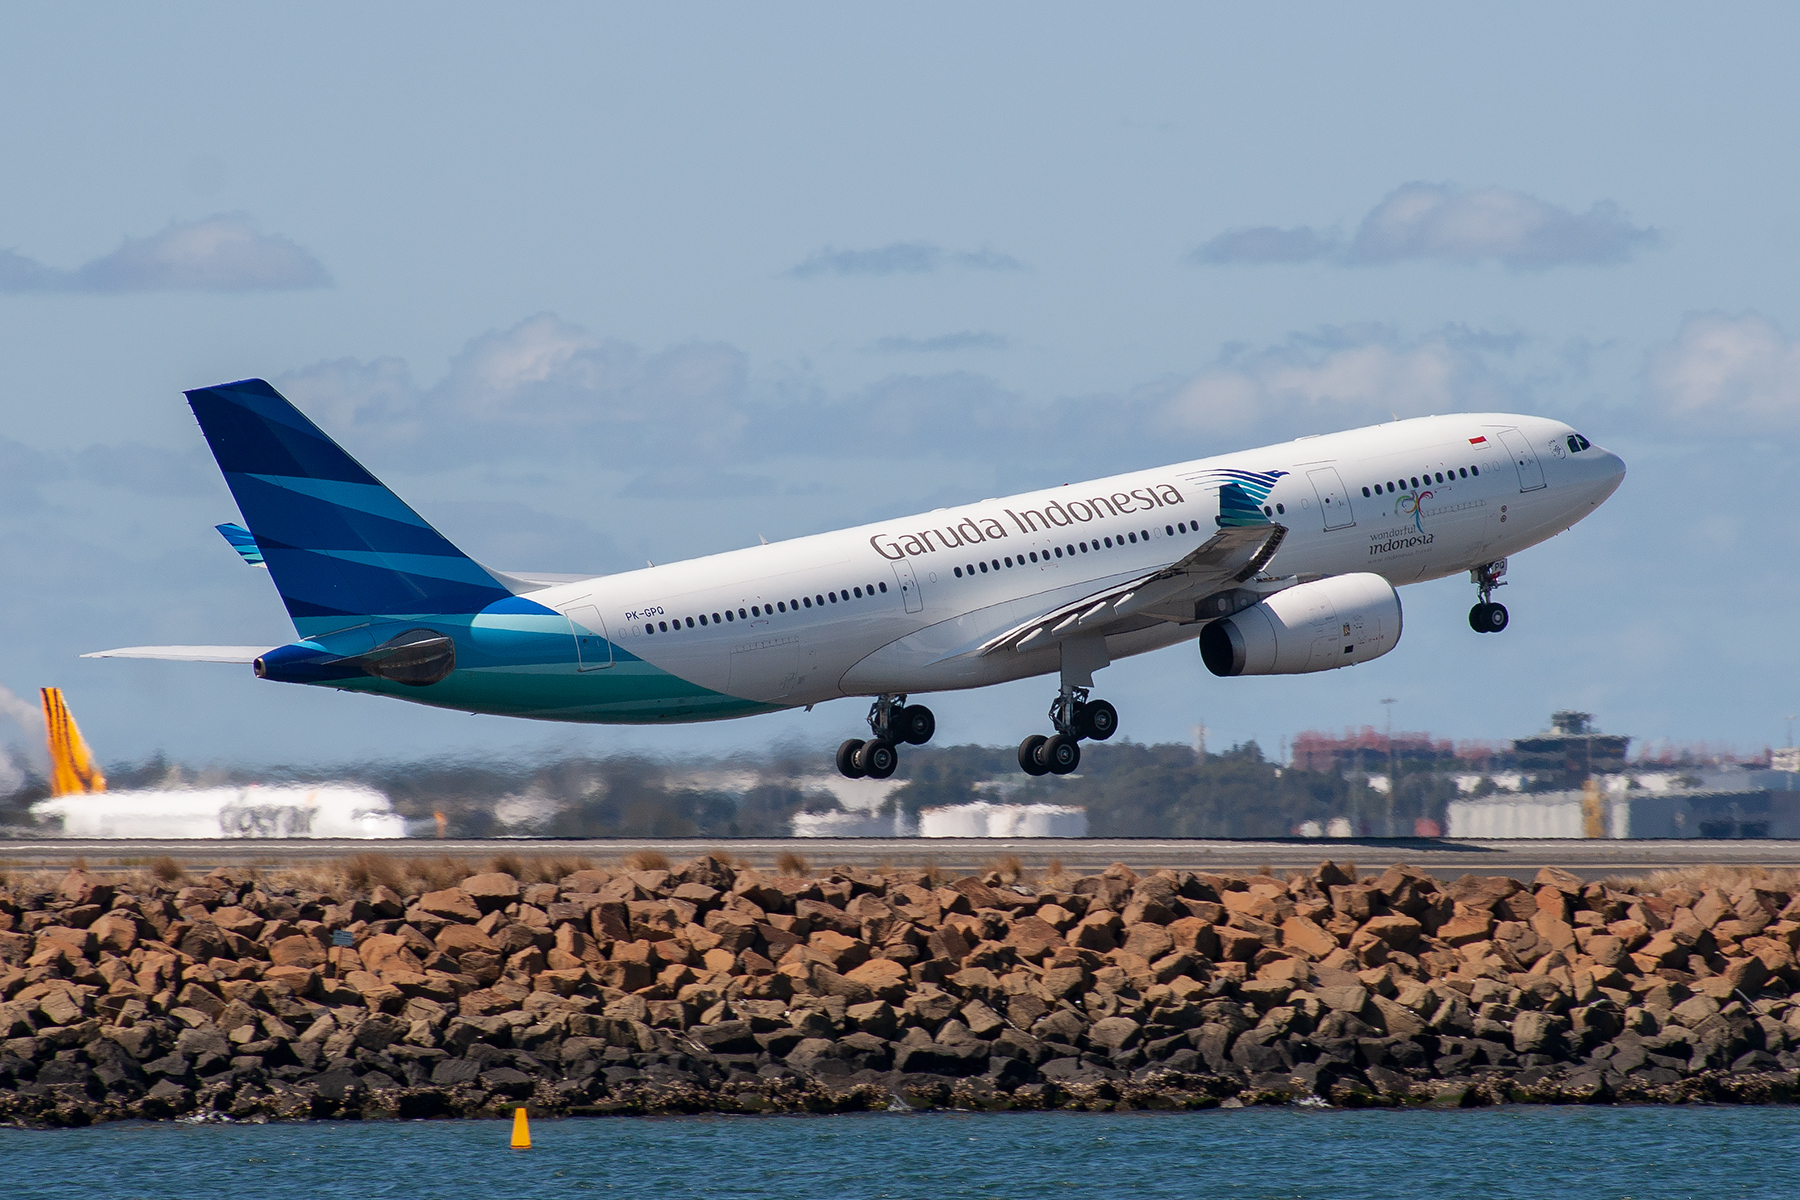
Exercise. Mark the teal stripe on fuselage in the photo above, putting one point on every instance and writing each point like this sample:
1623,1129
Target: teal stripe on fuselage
521,662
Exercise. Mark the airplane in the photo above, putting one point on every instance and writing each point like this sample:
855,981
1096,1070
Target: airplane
79,798
1279,560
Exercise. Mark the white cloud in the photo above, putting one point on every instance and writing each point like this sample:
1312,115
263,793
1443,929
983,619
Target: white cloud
686,420
543,385
222,253
1336,379
1427,221
1728,374
901,258
27,716
1424,220
1267,244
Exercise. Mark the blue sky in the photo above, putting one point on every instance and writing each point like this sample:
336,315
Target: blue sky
591,284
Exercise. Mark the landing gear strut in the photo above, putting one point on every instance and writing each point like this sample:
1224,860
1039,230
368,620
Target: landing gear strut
1074,717
1487,616
893,721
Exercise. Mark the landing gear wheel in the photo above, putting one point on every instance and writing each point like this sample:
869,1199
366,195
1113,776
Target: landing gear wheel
1488,617
914,724
1097,720
877,758
1060,754
1028,755
846,759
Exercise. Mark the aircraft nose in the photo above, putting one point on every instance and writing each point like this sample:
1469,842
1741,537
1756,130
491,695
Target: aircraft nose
1609,469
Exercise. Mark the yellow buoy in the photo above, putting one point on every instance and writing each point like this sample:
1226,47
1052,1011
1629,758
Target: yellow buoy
521,1139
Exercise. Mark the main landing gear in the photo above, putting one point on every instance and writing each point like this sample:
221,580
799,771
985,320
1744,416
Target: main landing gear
893,721
1074,717
1487,616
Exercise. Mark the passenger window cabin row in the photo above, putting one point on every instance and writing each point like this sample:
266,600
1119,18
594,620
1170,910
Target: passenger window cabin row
1425,480
868,591
1007,562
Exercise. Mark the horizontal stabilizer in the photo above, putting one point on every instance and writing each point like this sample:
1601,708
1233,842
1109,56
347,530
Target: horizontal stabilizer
213,654
244,542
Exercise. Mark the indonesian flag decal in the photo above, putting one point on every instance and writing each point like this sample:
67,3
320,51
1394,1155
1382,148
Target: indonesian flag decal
1476,441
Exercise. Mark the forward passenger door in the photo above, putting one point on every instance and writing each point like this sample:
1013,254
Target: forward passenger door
1334,501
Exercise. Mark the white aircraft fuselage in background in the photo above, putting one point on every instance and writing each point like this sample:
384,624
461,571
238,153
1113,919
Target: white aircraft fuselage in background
1282,560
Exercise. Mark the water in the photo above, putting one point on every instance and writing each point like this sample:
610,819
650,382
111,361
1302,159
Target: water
1253,1154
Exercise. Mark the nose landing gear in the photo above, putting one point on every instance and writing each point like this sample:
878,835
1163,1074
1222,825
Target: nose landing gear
1074,717
1488,616
893,721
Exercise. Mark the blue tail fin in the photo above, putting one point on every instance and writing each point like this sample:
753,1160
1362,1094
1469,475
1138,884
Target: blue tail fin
339,545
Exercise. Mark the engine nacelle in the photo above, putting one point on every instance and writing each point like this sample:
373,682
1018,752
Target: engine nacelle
1336,622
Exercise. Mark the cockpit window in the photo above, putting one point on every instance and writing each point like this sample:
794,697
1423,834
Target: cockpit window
1577,443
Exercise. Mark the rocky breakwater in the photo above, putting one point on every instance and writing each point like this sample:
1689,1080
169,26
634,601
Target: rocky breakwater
711,988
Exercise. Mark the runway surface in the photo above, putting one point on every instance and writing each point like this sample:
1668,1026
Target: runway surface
1442,857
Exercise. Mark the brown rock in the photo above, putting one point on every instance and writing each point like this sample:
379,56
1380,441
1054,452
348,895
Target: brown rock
950,943
116,932
298,950
1397,931
386,903
241,921
1149,941
484,1003
78,887
838,952
1344,998
1746,974
389,951
452,904
60,1007
1482,891
1352,900
1237,944
1776,955
1468,925
918,905
979,894
1195,934
1114,1033
1397,1019
884,979
1554,930
1561,880
820,915
1034,935
1307,936
1608,951
1712,908
582,948
378,994
456,939
827,982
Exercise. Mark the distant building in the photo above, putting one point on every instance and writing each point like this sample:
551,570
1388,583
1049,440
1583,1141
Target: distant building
1633,814
1369,749
1572,752
852,824
981,819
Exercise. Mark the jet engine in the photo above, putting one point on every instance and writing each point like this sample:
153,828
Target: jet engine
1335,622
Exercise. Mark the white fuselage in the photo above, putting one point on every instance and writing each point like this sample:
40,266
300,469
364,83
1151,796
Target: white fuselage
903,606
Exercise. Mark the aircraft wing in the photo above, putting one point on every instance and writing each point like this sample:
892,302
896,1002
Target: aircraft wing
1235,554
212,654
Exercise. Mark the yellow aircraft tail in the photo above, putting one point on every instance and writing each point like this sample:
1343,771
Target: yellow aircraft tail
73,770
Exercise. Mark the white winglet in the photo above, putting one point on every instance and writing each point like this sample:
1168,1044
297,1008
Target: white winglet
212,654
